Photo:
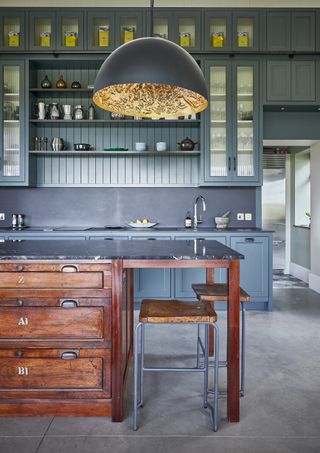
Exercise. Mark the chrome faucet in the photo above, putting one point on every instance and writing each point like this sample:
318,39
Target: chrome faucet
197,220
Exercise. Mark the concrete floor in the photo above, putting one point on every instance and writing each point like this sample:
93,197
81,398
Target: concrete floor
280,412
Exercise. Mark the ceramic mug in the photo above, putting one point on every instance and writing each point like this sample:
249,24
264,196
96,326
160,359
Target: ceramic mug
161,146
140,146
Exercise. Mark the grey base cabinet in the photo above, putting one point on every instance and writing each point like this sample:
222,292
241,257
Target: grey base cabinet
254,269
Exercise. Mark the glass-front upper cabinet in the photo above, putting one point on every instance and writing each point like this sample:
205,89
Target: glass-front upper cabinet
245,31
100,29
129,26
217,31
231,123
244,159
12,157
187,26
42,30
162,24
12,28
70,30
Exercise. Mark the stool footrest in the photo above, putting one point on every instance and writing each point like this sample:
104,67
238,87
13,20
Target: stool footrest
194,370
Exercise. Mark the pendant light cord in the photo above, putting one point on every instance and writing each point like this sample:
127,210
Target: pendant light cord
151,17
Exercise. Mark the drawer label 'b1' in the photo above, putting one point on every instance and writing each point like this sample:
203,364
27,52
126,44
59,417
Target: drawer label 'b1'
23,371
23,322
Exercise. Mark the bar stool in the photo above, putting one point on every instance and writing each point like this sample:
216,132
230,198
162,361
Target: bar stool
218,292
176,312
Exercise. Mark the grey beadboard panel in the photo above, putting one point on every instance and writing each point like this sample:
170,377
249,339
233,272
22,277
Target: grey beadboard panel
89,170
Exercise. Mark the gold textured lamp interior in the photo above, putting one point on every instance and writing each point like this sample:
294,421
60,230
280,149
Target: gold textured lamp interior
150,100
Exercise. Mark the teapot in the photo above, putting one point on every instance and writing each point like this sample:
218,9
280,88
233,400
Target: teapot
187,144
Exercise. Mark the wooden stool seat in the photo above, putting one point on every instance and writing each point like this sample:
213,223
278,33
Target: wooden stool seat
216,292
166,311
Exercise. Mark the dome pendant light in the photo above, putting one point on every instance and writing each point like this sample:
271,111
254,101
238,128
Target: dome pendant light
151,78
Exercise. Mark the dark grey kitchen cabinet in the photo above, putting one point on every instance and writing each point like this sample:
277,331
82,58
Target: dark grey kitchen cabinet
287,30
255,268
217,30
13,164
12,30
246,30
70,30
42,30
291,81
232,126
129,25
100,30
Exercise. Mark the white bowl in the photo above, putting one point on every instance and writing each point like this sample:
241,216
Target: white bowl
140,146
161,146
221,222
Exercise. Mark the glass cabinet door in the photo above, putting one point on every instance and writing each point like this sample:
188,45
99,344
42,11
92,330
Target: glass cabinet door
245,30
162,25
129,26
217,31
12,30
70,31
187,26
100,28
218,164
246,142
42,31
12,120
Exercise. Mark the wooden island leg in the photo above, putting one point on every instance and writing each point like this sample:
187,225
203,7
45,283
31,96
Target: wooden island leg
210,281
233,404
116,353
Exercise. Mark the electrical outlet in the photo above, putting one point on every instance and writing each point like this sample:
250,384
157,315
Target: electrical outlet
2,216
248,216
240,216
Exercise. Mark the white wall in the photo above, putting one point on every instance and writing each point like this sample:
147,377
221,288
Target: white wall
314,276
165,3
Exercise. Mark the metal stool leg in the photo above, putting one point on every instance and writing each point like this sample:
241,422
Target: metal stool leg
198,346
141,402
216,378
135,371
242,363
205,366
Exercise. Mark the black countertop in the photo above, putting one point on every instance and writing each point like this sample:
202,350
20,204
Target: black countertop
105,250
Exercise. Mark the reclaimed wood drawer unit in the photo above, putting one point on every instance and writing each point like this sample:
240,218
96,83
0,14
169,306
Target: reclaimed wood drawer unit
55,338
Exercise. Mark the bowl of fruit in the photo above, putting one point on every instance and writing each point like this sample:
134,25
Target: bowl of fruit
141,223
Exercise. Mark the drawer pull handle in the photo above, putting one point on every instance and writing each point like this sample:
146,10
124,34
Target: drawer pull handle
249,239
19,303
108,239
151,239
20,268
69,303
70,355
69,268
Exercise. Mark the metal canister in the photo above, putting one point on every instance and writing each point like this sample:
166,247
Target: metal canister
243,39
128,34
45,39
217,39
13,39
185,39
70,38
14,220
104,36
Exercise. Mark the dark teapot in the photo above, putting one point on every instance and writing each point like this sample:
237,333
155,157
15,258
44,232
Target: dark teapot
187,144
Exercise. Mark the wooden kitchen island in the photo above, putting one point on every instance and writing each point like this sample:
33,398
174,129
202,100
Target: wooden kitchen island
66,321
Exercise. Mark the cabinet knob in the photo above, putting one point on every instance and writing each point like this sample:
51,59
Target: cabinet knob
20,268
19,303
69,355
249,239
19,353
